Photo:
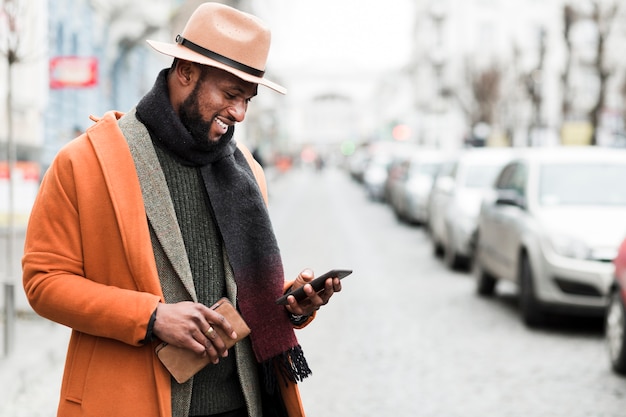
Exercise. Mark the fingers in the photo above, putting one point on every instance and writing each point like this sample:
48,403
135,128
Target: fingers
305,276
193,326
214,339
314,300
214,345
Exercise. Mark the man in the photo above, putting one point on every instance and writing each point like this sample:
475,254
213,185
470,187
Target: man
148,218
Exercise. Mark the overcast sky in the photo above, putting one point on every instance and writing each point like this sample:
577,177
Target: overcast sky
335,45
338,35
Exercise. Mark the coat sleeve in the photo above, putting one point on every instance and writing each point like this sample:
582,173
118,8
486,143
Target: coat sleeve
75,269
286,287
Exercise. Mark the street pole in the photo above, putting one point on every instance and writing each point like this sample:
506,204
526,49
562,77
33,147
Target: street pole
9,287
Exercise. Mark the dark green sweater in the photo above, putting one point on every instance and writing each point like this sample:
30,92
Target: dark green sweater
216,388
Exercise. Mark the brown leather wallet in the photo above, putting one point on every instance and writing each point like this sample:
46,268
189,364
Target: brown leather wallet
183,363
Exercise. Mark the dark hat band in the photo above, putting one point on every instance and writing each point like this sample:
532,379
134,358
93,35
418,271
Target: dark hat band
217,57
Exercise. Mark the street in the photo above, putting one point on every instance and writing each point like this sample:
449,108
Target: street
404,338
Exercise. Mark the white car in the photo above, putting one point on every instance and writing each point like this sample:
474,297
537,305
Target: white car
375,176
410,197
455,201
553,226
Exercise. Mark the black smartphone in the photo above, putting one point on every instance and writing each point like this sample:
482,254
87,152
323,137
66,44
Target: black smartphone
317,284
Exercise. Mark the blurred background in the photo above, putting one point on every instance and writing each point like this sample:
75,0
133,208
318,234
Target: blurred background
392,96
445,73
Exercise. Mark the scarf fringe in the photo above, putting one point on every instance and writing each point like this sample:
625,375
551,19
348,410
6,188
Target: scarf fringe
290,366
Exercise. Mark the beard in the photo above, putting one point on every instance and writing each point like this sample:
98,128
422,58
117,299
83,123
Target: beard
189,113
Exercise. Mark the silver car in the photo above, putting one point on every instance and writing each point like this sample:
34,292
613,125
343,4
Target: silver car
553,226
455,201
409,196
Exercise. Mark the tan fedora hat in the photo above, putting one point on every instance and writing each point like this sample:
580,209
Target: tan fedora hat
223,37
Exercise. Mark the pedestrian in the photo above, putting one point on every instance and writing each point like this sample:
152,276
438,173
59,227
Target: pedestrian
147,219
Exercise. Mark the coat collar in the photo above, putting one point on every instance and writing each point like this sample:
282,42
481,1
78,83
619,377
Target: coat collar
126,193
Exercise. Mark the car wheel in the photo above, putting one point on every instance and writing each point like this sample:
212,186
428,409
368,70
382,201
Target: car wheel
437,246
450,257
615,333
485,282
530,307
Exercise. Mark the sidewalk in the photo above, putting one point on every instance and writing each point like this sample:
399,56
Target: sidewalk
30,377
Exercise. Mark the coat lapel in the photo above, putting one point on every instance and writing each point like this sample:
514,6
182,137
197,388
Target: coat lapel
156,197
124,191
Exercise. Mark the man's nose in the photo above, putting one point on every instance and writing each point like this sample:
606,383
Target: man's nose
238,111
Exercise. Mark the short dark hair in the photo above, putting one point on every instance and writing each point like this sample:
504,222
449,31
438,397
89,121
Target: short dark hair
204,69
173,66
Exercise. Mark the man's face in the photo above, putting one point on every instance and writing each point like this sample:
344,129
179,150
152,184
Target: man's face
218,100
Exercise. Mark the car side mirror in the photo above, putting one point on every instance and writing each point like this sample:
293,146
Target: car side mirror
510,198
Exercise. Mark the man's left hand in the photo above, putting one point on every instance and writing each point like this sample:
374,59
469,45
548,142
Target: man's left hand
314,299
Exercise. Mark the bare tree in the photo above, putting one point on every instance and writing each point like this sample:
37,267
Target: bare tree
486,92
603,18
534,84
569,18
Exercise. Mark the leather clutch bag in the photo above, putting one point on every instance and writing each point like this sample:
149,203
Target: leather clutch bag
183,363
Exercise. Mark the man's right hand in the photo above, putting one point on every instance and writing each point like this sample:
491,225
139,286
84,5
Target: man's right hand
190,325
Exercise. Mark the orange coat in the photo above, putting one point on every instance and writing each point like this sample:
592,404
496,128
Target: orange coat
88,264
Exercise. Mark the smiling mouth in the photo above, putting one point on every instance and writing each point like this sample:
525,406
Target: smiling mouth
221,124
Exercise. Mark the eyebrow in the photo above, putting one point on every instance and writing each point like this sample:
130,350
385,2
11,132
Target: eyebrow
237,87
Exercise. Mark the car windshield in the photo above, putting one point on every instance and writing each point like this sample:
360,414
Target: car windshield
429,170
582,184
481,176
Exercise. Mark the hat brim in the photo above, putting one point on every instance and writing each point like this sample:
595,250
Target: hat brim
178,51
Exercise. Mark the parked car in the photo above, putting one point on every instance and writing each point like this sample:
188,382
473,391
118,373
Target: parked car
553,227
410,189
375,176
455,201
396,177
357,163
382,157
615,317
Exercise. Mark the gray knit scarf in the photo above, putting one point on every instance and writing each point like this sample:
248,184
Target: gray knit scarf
244,225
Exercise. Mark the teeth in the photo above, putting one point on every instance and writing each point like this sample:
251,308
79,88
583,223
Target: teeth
220,123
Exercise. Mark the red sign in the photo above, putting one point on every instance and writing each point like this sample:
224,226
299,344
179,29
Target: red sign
72,71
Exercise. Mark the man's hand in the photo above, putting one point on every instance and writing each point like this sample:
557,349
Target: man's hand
314,300
191,326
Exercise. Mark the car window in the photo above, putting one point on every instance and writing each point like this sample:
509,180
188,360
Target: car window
446,169
518,179
513,177
480,176
582,184
504,178
426,169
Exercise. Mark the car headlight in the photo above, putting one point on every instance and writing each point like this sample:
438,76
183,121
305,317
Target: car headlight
462,219
570,247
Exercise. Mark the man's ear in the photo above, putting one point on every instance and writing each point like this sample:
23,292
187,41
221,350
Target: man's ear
181,82
186,72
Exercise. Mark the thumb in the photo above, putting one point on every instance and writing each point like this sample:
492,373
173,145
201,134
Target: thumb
305,276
